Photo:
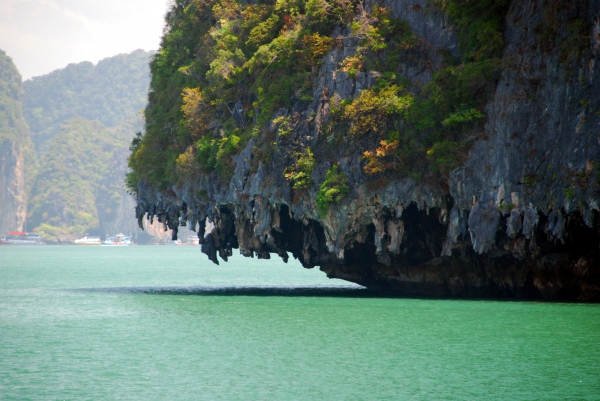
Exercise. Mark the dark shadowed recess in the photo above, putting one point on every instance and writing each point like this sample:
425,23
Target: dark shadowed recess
417,270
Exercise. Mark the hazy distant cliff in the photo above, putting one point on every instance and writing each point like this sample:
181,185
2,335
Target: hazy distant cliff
108,92
437,148
14,147
82,119
68,179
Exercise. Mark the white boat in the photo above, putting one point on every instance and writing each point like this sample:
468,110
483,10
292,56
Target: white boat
117,240
193,240
88,241
21,238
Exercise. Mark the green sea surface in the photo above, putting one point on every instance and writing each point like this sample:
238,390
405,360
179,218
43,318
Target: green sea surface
163,323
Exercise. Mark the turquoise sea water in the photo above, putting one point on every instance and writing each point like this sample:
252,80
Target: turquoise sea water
163,323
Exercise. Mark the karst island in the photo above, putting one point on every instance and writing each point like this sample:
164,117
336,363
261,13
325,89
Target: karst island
426,148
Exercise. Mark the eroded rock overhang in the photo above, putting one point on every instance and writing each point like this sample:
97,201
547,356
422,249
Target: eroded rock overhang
518,220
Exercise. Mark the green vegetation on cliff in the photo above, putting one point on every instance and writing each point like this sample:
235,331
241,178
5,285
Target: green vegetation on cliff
440,120
333,189
226,68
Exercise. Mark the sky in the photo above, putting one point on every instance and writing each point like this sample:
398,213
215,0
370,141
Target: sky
44,35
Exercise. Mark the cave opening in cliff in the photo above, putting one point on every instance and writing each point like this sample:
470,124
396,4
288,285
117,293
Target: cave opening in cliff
424,235
362,254
577,237
289,236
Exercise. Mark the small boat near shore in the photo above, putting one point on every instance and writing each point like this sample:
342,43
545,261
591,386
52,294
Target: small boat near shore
117,240
21,238
88,241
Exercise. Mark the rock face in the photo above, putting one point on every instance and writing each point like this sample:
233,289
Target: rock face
15,149
12,188
519,219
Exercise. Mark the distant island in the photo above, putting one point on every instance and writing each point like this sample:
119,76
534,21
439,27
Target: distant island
64,140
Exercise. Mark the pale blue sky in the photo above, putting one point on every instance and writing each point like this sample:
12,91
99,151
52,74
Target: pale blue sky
43,35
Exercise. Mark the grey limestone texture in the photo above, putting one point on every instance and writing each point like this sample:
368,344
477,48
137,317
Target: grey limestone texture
520,218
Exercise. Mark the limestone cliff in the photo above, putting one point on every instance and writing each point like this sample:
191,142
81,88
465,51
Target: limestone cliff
514,213
15,146
12,188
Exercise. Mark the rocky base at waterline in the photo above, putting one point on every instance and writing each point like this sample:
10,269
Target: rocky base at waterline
412,250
